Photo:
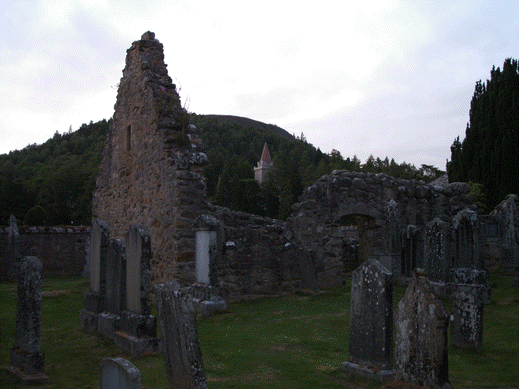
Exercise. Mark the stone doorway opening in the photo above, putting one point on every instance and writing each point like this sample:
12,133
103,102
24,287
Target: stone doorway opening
358,232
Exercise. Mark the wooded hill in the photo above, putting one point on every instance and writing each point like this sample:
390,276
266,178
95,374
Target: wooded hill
52,183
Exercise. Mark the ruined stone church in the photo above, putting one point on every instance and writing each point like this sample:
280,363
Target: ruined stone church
151,173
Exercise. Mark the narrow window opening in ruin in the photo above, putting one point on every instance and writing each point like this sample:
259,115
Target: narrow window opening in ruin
128,138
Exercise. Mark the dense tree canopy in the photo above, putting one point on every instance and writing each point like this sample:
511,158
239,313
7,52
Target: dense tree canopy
53,183
489,154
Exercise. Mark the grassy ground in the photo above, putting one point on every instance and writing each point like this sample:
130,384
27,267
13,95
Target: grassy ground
286,342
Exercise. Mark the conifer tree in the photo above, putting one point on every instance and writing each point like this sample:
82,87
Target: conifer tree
489,154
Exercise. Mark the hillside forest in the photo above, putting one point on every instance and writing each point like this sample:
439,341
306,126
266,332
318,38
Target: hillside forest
52,183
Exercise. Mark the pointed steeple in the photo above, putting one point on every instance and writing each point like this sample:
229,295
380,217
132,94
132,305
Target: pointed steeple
265,155
264,164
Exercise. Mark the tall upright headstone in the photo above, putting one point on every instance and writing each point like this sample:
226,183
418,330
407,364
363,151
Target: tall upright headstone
99,243
467,230
181,343
116,277
138,257
467,317
421,320
509,225
138,326
371,320
119,373
411,253
437,252
26,355
14,249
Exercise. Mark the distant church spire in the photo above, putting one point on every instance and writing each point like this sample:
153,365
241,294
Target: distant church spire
264,164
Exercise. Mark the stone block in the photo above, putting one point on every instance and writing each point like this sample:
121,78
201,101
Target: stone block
138,325
94,302
88,320
108,324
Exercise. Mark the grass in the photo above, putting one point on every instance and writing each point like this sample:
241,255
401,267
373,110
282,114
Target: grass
284,342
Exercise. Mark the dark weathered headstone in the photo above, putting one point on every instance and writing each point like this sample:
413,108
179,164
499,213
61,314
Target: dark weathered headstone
467,317
138,256
371,320
421,354
181,344
411,255
308,274
467,230
119,373
138,327
14,249
464,278
437,250
116,277
26,355
510,262
99,243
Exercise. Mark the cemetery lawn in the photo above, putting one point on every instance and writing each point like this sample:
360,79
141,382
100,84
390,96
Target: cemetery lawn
294,341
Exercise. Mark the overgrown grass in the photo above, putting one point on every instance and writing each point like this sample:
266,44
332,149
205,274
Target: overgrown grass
284,342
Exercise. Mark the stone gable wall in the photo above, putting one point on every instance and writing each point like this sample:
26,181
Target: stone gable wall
152,163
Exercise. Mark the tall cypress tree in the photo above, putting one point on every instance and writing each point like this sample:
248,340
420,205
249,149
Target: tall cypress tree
489,154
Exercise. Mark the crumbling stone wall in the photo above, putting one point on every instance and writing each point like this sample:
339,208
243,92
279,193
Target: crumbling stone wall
62,250
255,256
385,205
152,163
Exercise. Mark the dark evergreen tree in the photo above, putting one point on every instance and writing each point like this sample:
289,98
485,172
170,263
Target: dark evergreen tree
489,154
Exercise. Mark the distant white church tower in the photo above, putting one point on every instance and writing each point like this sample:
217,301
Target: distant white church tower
264,164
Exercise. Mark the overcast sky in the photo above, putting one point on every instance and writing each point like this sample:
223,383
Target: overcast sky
387,78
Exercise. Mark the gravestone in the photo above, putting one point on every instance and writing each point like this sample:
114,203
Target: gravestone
463,279
108,321
411,254
14,249
138,257
181,343
116,277
393,246
95,296
206,293
467,235
371,321
119,373
206,228
138,327
26,356
308,275
421,354
437,250
467,317
510,261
